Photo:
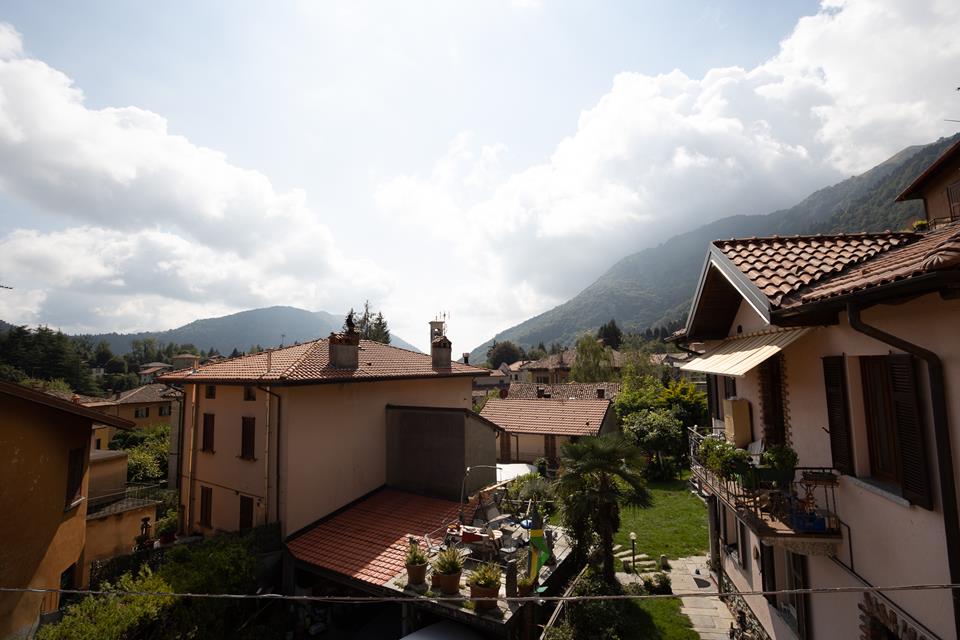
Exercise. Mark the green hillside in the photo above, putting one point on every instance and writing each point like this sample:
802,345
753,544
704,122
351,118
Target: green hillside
654,286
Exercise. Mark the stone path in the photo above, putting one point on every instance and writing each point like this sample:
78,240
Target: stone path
710,618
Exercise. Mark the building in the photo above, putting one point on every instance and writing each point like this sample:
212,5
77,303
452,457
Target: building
44,449
843,348
555,368
564,391
146,406
518,371
151,370
939,188
537,428
295,433
185,361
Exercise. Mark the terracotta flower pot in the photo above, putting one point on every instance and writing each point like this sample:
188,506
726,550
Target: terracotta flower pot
416,573
484,592
448,584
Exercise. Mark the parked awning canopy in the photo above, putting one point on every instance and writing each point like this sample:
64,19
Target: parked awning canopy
736,356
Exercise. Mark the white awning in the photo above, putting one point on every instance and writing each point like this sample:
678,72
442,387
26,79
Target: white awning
736,356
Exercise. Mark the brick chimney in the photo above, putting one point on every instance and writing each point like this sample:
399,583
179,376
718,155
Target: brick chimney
600,393
504,392
345,349
539,392
440,348
466,358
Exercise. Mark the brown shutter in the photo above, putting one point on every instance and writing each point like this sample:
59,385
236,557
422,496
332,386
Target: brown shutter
248,429
206,505
712,402
246,512
74,475
505,455
914,473
208,422
768,572
838,416
771,397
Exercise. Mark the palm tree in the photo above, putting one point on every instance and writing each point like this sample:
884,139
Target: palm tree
599,475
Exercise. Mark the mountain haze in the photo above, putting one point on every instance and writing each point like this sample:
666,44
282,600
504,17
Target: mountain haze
655,285
243,330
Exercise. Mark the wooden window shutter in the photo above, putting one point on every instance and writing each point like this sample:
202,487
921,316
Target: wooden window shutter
246,512
247,435
914,469
771,397
712,402
838,415
768,572
208,428
74,475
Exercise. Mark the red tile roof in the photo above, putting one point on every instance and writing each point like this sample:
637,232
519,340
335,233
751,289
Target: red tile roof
932,251
565,360
564,391
553,416
66,406
779,266
310,362
368,540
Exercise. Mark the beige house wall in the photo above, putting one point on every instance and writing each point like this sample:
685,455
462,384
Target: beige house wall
113,535
333,446
935,194
41,539
894,542
108,473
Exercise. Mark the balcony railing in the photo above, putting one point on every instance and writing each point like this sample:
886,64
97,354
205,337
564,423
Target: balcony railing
131,498
775,504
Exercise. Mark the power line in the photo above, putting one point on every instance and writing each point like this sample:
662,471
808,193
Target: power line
519,599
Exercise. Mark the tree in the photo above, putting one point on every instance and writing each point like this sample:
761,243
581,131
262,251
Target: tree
369,326
637,392
503,352
594,361
656,431
610,334
102,354
115,365
235,353
600,475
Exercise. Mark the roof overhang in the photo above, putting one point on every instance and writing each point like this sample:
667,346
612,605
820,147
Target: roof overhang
38,397
736,356
718,263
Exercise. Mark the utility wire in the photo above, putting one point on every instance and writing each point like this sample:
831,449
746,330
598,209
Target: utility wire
420,598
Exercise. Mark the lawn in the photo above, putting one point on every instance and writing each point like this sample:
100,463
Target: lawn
675,524
661,620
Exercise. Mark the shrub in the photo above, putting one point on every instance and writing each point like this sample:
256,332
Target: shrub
486,575
780,456
414,555
448,562
166,525
723,458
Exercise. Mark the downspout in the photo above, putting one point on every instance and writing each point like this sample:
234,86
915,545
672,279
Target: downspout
279,423
193,455
941,432
181,411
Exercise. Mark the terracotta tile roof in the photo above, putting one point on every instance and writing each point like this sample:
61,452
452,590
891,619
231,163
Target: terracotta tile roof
67,406
148,393
932,251
368,540
779,266
310,362
565,360
553,416
564,391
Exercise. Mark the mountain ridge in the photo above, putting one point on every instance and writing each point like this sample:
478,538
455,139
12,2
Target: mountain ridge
654,286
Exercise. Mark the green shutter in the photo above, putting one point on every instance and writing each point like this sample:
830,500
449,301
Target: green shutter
914,469
838,417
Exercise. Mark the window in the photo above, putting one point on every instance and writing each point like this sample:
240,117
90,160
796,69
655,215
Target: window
550,447
894,427
771,399
164,410
249,393
98,443
719,388
74,476
953,199
208,422
743,545
206,506
142,412
211,392
768,572
246,512
247,436
796,606
838,414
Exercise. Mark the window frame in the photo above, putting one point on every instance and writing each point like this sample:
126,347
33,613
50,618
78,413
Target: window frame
210,392
249,393
165,410
878,417
141,412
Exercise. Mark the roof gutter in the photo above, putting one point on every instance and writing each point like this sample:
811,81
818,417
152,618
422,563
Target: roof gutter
941,431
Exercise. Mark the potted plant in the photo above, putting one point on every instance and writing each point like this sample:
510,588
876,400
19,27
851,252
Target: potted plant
525,585
485,583
416,562
447,568
166,528
782,460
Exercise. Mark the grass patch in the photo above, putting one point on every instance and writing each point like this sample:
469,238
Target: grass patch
661,620
675,524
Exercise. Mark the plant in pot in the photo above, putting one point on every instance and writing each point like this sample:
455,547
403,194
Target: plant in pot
525,585
782,460
416,561
485,583
735,462
166,528
447,568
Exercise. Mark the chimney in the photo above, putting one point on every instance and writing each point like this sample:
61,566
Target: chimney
440,352
504,392
600,393
466,358
345,349
539,392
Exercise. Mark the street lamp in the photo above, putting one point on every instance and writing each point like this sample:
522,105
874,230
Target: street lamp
633,551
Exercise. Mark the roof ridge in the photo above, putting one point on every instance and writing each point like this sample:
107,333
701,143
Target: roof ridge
298,361
820,236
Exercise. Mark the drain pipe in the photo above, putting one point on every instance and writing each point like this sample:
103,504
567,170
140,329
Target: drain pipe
279,423
941,432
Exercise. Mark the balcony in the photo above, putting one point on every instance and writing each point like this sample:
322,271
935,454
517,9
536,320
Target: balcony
133,497
796,511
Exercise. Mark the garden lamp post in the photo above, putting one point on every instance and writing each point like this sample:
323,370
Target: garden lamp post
633,551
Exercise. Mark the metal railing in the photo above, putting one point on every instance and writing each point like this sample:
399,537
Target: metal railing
130,498
802,500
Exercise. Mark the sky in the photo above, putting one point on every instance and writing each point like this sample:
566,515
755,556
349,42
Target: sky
161,162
